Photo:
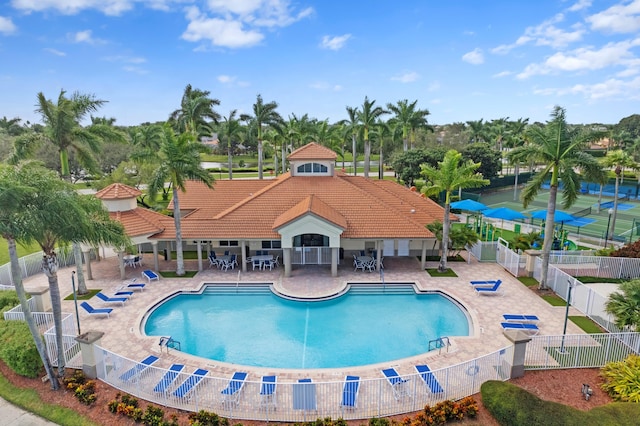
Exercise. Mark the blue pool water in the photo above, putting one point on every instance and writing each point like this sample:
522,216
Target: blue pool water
364,326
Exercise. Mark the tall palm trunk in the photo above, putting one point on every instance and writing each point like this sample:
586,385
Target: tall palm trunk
515,183
600,198
259,159
367,154
178,223
77,255
548,234
283,160
50,269
353,149
16,276
229,158
615,205
380,165
442,266
405,143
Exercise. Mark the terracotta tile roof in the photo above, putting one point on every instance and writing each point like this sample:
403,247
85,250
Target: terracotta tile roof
312,151
117,191
370,208
139,221
313,205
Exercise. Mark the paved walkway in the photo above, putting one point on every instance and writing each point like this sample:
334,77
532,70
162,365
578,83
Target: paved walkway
14,416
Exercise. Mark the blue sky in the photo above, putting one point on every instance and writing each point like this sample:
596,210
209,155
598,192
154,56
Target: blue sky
462,60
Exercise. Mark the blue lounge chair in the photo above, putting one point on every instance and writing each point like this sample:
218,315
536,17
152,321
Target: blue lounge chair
429,379
231,394
485,283
350,391
398,384
96,311
520,318
138,368
526,327
169,377
150,275
488,290
127,294
268,391
100,295
190,383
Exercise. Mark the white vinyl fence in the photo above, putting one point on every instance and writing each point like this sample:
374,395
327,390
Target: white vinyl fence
597,266
296,402
31,264
73,358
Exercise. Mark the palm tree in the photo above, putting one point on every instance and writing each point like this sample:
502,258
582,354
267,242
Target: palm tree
515,138
351,126
561,152
179,161
367,118
265,114
452,173
478,130
381,131
196,113
16,187
64,131
624,305
418,121
404,116
59,215
620,160
231,129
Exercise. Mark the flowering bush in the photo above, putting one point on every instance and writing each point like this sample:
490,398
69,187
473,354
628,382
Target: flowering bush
444,412
83,389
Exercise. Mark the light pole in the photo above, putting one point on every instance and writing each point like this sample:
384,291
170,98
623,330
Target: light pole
75,299
606,234
566,316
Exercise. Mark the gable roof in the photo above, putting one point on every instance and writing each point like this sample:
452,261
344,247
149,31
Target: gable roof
117,191
312,151
139,221
364,208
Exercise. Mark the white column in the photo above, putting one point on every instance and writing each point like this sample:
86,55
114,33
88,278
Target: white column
286,259
335,253
423,258
243,257
156,264
199,248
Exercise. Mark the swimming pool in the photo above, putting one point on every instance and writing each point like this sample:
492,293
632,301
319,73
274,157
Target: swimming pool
255,327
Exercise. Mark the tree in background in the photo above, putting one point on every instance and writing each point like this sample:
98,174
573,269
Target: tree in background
264,114
230,129
350,126
452,173
561,153
490,160
196,113
367,118
179,161
620,160
624,304
407,165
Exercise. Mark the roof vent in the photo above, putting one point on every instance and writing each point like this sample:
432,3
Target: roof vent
413,211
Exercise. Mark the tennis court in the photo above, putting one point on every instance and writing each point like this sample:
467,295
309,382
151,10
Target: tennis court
590,220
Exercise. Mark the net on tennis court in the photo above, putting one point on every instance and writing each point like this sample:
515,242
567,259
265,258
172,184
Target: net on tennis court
582,213
608,204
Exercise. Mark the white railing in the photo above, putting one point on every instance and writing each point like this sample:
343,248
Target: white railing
376,397
31,264
311,256
70,345
579,350
16,313
597,266
43,320
510,260
483,251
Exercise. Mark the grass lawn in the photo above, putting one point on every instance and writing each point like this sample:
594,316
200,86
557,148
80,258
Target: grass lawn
554,300
586,324
528,281
172,274
22,251
92,292
434,273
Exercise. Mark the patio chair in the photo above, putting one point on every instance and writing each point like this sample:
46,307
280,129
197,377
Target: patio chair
256,263
106,299
269,264
359,264
488,290
429,379
96,311
520,318
268,391
276,262
526,327
231,394
190,383
485,283
133,286
137,261
398,384
138,368
350,392
150,275
169,377
213,260
122,293
234,261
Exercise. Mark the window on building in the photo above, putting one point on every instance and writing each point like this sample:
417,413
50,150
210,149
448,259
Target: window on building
271,244
312,168
228,243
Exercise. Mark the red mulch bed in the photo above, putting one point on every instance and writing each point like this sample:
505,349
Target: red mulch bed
563,386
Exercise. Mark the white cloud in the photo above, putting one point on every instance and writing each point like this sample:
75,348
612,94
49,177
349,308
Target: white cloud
502,74
617,19
231,80
545,34
475,57
261,13
612,54
220,32
134,69
580,5
407,77
125,59
7,26
85,37
67,7
55,52
324,86
434,86
334,43
612,88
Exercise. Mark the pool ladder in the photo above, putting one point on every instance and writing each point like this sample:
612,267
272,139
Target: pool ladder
439,343
169,343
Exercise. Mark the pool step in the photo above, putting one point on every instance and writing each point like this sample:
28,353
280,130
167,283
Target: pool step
237,289
381,289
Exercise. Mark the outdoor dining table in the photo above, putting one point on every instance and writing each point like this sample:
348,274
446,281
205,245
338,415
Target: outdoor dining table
262,258
129,260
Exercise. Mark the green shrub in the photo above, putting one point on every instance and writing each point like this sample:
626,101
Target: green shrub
207,418
511,405
622,379
8,298
18,350
83,389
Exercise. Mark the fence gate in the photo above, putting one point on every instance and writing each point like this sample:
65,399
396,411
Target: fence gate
509,259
